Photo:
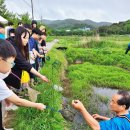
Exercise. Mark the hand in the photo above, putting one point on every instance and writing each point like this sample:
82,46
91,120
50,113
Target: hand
96,116
41,56
34,53
40,106
78,105
44,78
33,57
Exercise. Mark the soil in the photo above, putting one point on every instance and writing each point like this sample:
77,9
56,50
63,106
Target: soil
67,89
9,119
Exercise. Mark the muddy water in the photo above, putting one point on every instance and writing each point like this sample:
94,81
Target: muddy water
107,92
99,103
72,115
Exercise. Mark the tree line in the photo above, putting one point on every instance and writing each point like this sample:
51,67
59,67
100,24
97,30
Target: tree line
120,28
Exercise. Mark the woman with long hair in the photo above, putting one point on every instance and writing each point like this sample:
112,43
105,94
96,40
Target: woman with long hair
7,57
22,59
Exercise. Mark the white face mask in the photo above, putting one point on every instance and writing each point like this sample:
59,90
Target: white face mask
3,76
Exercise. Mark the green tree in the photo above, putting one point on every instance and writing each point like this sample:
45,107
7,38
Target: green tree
25,18
3,11
6,14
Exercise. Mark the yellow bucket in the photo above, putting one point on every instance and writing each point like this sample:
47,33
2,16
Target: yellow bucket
25,77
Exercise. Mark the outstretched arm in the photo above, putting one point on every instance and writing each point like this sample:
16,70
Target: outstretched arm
89,119
44,78
22,102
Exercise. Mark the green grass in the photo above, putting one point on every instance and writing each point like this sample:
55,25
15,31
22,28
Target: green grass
32,119
50,38
104,64
99,75
101,56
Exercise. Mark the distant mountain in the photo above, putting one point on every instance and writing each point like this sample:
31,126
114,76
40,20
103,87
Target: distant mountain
73,24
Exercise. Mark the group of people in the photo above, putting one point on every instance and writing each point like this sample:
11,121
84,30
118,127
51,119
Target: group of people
22,51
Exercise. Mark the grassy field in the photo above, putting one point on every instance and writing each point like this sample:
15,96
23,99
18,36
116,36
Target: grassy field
103,63
32,119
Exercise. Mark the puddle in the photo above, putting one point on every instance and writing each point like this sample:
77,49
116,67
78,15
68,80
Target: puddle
61,48
107,92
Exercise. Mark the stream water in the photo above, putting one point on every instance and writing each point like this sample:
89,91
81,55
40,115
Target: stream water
99,100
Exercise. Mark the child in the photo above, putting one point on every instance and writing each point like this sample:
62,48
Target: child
7,57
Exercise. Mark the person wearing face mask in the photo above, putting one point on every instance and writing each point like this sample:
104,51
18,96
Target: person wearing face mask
7,57
22,59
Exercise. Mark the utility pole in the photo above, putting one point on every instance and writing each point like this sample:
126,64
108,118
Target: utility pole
41,18
32,9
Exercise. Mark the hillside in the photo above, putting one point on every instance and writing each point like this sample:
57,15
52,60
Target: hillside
73,24
116,28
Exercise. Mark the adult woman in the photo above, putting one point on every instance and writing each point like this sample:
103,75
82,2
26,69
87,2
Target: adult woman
22,59
7,56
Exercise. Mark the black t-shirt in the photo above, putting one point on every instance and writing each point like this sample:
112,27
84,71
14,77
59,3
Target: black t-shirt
43,43
20,64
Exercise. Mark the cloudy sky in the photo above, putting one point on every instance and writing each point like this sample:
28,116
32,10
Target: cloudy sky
97,10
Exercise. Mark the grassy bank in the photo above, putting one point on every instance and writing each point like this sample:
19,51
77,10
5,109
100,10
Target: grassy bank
31,119
102,64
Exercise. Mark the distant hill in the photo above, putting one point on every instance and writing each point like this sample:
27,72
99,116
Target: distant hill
73,24
116,28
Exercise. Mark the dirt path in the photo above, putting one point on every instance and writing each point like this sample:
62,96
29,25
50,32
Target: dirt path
49,45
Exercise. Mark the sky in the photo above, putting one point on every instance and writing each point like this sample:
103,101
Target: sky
96,10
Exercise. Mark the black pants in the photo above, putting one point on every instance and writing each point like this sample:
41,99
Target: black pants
1,126
127,50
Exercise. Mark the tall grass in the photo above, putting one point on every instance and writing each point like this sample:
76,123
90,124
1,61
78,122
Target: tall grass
102,56
32,119
99,75
104,65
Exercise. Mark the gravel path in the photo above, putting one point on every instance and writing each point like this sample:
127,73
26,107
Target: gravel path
49,45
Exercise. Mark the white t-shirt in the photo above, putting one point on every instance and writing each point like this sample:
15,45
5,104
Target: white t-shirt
5,92
32,61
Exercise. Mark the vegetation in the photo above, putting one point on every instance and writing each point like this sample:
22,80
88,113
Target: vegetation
14,17
31,119
116,28
73,24
93,61
103,63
